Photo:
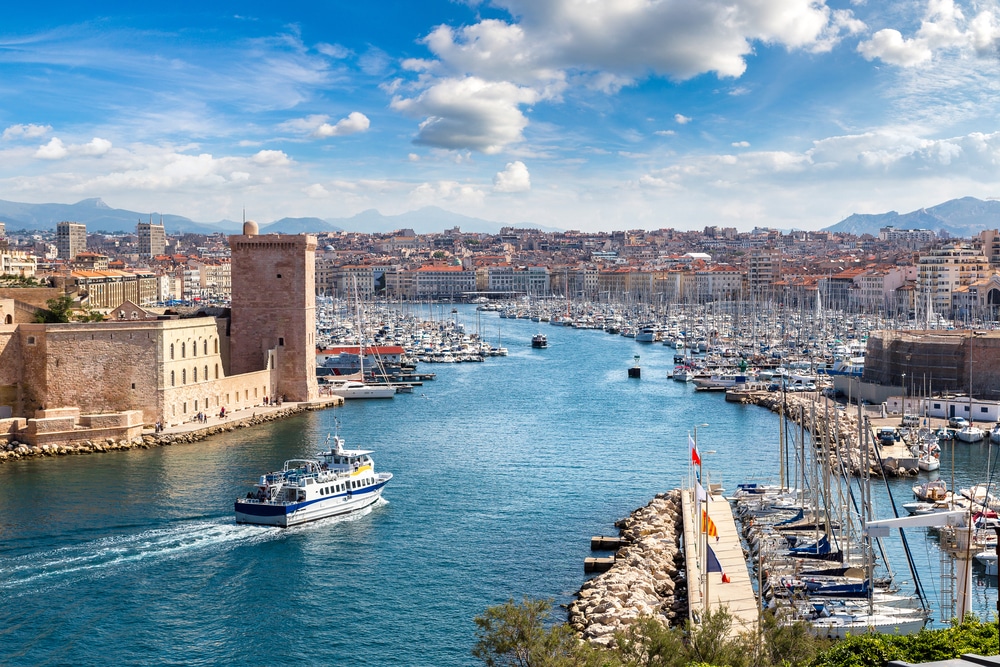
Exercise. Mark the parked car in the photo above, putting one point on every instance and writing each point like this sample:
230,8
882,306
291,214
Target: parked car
957,422
910,420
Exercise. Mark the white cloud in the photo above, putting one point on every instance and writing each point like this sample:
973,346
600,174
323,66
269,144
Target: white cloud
54,150
271,158
602,46
469,113
29,131
741,144
665,133
447,192
316,191
890,46
413,157
944,28
514,178
96,146
354,123
681,119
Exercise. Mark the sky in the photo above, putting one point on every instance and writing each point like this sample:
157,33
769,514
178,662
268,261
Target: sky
575,114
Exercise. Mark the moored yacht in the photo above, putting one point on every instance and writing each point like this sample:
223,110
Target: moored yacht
339,481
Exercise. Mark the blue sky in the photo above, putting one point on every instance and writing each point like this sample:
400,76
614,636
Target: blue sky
577,114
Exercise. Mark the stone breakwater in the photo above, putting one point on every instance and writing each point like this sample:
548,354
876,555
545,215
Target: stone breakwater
830,430
647,578
17,450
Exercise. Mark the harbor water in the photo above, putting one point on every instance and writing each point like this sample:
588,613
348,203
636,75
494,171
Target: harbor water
503,471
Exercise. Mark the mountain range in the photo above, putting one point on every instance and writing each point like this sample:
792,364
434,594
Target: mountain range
963,218
99,217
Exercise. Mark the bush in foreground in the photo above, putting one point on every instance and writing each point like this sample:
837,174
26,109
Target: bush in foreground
522,634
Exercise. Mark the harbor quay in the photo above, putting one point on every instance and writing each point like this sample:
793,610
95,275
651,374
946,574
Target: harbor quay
84,440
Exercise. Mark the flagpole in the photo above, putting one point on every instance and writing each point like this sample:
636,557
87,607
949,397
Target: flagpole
703,559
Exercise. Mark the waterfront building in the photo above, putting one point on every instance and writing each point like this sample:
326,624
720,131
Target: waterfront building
990,242
945,361
910,238
71,239
940,271
718,283
763,267
152,239
17,263
171,369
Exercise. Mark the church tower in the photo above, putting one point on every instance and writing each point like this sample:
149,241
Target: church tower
274,308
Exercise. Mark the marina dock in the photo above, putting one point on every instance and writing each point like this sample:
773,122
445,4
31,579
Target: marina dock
737,595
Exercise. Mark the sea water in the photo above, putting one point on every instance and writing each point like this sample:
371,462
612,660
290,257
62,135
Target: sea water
502,472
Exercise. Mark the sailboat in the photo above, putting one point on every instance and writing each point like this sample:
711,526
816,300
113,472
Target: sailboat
355,386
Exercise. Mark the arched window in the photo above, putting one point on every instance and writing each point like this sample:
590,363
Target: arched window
9,319
171,378
206,371
171,350
183,350
215,341
204,349
217,376
195,377
194,348
184,376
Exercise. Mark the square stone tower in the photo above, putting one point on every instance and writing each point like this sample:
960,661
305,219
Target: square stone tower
274,308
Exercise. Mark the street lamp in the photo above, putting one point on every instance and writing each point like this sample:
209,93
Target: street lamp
904,394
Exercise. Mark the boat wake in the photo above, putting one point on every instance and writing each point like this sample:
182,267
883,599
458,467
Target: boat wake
105,556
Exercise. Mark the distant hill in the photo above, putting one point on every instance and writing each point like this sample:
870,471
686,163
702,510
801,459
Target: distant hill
963,218
98,216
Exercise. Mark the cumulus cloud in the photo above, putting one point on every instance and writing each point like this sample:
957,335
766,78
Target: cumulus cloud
602,46
54,150
57,150
29,131
514,178
316,191
469,113
944,27
681,119
354,123
271,158
741,144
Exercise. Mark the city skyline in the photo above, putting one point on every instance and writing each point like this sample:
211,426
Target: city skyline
562,113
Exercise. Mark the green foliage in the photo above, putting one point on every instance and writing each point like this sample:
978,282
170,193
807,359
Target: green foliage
89,315
520,635
439,254
969,636
59,310
515,634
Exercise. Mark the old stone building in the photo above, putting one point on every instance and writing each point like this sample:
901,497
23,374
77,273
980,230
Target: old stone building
171,369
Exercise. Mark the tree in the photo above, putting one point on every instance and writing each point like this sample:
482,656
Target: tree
515,635
59,310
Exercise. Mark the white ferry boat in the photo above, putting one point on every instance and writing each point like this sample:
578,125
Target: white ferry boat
339,481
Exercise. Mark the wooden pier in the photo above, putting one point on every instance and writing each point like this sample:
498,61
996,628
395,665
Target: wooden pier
737,595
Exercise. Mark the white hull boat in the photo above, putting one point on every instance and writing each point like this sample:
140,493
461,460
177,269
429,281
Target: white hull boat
354,389
338,482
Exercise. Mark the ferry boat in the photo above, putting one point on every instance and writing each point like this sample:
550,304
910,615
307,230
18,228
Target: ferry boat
339,481
539,341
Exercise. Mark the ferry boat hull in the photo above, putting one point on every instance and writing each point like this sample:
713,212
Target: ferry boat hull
292,514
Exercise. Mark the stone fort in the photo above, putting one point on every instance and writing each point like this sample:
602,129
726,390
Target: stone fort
169,370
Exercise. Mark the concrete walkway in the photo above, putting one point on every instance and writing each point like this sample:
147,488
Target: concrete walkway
246,416
737,595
